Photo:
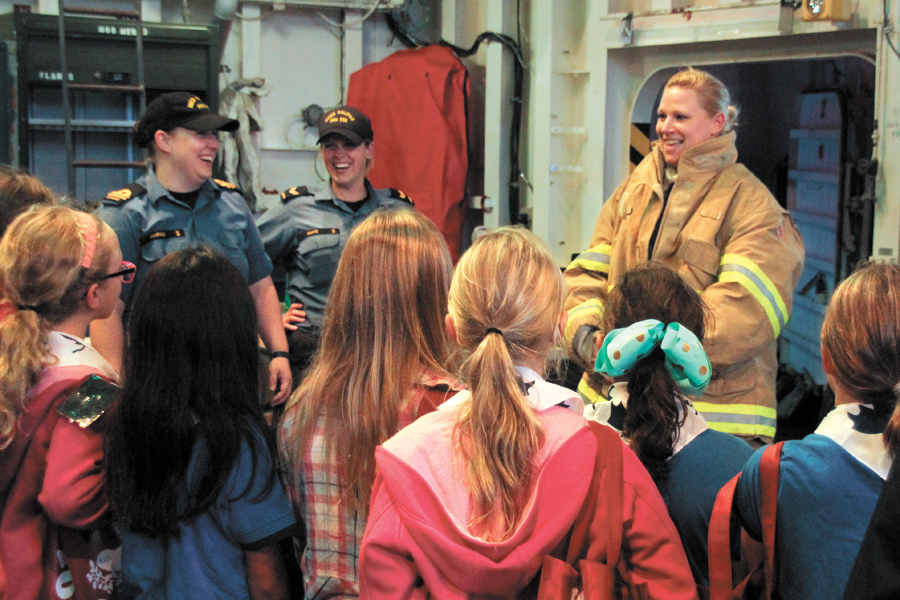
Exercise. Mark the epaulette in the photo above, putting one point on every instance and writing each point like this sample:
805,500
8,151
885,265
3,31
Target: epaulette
295,192
398,195
130,191
228,186
89,400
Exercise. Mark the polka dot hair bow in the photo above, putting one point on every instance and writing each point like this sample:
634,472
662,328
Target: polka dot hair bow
686,359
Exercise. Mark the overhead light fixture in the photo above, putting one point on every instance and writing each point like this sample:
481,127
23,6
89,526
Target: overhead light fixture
826,10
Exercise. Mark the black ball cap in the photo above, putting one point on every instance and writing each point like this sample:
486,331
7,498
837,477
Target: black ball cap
180,109
347,122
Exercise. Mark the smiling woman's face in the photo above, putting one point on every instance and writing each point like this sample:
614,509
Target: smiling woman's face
683,123
346,163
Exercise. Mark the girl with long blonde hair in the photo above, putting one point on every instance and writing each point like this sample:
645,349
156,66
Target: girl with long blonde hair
470,498
61,269
379,367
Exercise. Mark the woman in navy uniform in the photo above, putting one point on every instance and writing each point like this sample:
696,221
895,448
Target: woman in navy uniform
178,204
309,230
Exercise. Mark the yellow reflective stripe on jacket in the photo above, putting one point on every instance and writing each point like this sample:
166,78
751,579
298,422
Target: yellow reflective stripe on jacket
593,259
739,419
588,394
745,272
593,305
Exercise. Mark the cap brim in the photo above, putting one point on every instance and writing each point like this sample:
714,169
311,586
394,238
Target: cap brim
352,136
211,122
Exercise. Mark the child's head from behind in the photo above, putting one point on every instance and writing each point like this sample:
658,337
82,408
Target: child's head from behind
655,399
390,287
383,323
18,191
508,281
861,333
51,255
506,310
651,291
192,377
193,323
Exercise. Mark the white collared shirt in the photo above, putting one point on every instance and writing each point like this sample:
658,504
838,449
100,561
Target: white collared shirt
541,394
867,448
70,351
694,423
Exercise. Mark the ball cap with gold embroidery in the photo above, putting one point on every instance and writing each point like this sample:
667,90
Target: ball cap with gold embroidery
180,109
347,122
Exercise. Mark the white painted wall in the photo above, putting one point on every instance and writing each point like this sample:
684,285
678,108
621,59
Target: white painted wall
297,52
581,75
584,75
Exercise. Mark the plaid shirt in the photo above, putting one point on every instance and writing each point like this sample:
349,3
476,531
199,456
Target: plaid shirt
334,531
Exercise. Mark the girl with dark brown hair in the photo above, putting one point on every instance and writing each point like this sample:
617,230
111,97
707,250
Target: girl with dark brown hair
651,401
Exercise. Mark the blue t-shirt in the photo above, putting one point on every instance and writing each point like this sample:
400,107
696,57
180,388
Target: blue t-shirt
696,474
206,559
825,500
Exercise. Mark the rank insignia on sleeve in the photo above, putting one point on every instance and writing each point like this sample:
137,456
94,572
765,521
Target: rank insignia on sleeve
397,194
224,184
128,192
295,192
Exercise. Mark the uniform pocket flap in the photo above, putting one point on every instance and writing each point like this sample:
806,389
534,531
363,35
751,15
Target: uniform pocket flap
316,239
701,255
711,213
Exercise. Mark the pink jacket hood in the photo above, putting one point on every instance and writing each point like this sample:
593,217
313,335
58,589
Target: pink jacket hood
433,502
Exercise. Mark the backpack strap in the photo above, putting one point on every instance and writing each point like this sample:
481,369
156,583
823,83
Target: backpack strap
606,487
609,457
719,540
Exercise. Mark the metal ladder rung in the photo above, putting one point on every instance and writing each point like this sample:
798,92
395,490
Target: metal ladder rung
107,87
70,124
109,164
99,12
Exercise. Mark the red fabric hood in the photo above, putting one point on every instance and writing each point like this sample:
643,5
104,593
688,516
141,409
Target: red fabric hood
416,469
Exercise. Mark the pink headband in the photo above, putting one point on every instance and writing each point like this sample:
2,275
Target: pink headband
89,228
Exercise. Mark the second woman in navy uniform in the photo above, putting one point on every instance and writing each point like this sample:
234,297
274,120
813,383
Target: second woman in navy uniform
309,229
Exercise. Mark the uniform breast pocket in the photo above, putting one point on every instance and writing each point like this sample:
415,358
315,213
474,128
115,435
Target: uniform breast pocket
319,251
157,244
702,260
233,244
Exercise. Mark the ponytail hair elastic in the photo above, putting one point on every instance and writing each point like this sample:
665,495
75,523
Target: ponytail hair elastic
491,330
686,360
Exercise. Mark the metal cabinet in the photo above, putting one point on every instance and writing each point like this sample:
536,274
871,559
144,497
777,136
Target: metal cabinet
98,50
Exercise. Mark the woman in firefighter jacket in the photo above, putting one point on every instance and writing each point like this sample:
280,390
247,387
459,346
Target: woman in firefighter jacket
690,206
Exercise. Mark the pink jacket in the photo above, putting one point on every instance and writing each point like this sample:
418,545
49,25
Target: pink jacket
51,475
417,541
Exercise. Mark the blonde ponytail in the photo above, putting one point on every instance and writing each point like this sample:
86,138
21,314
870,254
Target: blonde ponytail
501,324
503,436
22,351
